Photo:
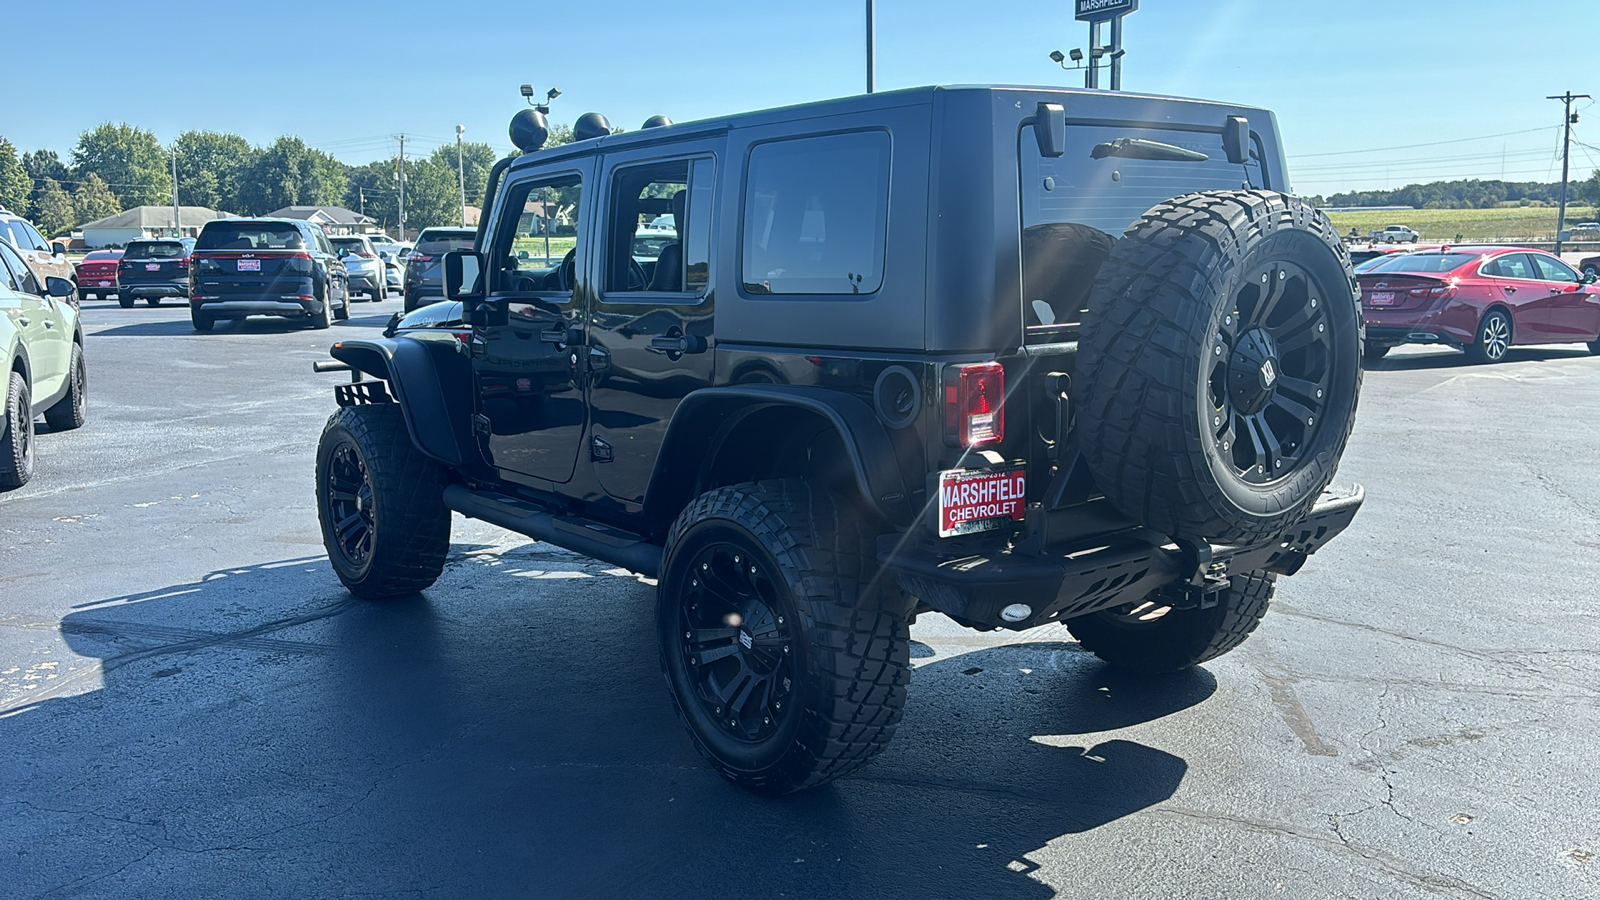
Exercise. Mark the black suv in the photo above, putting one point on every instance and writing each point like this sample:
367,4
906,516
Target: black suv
151,270
266,267
423,283
1014,355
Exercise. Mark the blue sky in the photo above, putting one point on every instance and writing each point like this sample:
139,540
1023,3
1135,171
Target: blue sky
1343,75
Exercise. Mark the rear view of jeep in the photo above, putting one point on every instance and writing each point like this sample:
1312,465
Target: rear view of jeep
1013,355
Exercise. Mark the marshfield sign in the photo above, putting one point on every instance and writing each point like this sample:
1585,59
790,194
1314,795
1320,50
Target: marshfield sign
1100,10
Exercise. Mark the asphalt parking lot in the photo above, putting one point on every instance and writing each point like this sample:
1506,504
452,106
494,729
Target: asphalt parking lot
190,705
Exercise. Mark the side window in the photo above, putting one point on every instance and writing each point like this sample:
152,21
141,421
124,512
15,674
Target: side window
20,277
535,252
660,228
9,266
1515,265
19,237
1554,270
815,215
37,239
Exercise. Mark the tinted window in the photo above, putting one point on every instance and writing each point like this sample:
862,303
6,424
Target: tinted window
1552,269
816,212
1512,265
153,250
660,227
529,249
250,236
436,242
1423,263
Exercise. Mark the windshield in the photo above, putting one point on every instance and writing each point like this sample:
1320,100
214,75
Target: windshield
154,250
250,236
1423,263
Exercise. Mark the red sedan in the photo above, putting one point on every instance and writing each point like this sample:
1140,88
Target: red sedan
1483,300
97,274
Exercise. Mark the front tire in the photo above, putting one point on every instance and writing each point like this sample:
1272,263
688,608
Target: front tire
1152,638
1494,338
786,658
124,301
202,321
381,504
72,410
343,312
322,317
16,443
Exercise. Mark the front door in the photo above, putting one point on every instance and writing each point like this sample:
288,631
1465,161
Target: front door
529,372
1518,286
650,335
1574,309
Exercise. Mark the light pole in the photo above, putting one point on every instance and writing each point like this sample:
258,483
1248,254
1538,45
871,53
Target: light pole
870,62
543,109
1567,118
462,172
177,222
400,176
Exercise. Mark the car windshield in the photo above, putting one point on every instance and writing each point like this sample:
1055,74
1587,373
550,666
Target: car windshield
1423,263
436,242
250,236
154,250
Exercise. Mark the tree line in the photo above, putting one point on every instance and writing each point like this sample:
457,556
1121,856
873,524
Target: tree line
118,166
1473,194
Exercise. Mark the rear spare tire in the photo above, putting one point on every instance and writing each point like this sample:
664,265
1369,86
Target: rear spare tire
1220,365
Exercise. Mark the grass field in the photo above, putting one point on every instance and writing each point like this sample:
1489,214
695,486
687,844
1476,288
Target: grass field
1515,224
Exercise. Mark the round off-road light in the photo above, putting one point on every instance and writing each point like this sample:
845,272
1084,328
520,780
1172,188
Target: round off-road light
1016,612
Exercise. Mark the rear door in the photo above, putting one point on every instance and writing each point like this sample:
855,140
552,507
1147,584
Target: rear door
529,372
650,333
1518,287
1574,310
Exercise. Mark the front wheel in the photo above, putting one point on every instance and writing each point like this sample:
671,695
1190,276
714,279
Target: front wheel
381,504
323,316
786,658
1154,637
72,410
1494,338
124,301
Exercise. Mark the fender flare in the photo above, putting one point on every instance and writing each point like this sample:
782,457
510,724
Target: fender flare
414,379
706,418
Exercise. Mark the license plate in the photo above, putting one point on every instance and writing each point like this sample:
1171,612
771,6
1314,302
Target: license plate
249,265
103,284
152,267
1381,298
980,500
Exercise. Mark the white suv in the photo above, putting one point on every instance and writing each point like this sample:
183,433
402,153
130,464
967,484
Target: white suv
47,260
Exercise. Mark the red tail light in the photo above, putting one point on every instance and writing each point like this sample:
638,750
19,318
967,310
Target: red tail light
418,257
1434,292
974,409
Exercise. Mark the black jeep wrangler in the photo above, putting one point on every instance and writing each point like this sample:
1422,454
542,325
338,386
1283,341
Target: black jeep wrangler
1011,354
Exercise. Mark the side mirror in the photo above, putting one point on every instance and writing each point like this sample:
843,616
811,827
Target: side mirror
463,276
58,287
58,249
1050,129
1591,277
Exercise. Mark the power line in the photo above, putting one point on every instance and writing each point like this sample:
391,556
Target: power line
1480,137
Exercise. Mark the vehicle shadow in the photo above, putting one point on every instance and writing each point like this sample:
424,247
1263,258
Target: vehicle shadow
508,732
253,325
1452,359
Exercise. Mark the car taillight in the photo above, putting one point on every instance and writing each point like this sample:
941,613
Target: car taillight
418,257
1435,292
974,408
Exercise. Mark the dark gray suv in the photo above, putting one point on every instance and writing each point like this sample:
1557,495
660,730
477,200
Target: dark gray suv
1014,355
266,267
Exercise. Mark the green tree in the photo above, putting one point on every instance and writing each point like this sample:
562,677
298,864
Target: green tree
1588,191
211,168
15,185
41,165
53,211
93,199
288,173
433,195
372,189
476,158
129,160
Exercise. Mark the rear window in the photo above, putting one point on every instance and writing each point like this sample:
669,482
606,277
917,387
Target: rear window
1423,263
153,250
816,212
436,242
250,236
98,255
351,243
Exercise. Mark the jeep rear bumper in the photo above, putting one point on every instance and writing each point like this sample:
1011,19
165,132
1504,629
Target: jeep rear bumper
1101,574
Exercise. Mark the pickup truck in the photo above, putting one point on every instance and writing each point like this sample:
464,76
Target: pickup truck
1395,234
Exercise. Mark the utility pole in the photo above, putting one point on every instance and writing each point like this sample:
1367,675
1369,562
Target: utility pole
177,223
870,63
461,171
1567,118
401,177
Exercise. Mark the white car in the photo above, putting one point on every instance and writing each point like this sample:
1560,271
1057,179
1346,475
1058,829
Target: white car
368,270
44,370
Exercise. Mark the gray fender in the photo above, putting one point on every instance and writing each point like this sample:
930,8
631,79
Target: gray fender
707,418
414,379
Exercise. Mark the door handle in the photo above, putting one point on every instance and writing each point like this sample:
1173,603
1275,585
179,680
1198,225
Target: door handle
1510,289
681,343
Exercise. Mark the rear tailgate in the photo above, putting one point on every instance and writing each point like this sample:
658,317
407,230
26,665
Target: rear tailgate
252,273
151,271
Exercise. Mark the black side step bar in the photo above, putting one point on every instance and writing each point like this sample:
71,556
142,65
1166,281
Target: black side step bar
614,546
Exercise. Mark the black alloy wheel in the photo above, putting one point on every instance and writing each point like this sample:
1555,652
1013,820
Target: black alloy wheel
737,642
16,433
347,495
1270,373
